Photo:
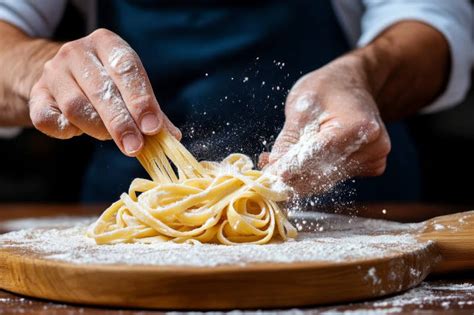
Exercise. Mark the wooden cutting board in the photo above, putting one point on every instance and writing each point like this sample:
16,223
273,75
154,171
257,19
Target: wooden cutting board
442,244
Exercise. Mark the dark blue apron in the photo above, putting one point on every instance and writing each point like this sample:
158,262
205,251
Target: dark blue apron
220,70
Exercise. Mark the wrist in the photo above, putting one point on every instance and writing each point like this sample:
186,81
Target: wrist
406,67
28,69
377,62
22,66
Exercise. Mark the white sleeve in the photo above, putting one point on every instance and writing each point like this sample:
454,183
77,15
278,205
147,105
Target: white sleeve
453,18
37,18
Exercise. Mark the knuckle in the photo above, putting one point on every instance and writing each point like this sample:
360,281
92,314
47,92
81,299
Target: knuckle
49,67
120,123
141,103
39,122
40,119
373,128
365,129
100,33
288,136
124,64
67,49
73,106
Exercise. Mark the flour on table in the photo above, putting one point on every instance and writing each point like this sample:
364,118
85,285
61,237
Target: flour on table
424,298
45,222
343,239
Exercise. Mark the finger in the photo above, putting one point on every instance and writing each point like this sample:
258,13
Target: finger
46,116
263,159
75,106
126,70
172,128
288,137
101,90
375,150
312,164
373,168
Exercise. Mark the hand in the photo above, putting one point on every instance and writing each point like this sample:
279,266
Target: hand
333,130
98,86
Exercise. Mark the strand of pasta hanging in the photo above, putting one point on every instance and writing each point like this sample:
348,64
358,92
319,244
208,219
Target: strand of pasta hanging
209,202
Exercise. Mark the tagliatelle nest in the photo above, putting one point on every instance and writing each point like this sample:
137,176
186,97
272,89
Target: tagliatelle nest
208,202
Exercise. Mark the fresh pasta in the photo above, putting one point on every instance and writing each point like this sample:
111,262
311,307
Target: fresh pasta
208,202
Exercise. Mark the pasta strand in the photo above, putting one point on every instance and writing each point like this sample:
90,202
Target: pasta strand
205,202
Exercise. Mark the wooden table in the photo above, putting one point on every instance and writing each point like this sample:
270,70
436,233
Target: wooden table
452,293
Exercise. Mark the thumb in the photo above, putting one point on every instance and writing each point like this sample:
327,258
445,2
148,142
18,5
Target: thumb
289,135
263,159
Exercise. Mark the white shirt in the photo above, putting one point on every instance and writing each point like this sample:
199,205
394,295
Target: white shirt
362,21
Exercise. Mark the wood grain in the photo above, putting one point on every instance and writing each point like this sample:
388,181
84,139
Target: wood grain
224,287
249,286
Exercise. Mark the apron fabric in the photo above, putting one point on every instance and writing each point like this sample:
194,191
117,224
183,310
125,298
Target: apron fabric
221,71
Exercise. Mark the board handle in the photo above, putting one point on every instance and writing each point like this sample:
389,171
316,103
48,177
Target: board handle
454,237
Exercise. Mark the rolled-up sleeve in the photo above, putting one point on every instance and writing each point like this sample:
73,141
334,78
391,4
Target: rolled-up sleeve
453,18
37,18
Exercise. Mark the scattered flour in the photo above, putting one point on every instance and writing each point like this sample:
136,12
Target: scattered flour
51,114
426,298
89,112
71,245
303,103
46,222
372,276
62,122
108,91
123,61
343,239
429,294
118,59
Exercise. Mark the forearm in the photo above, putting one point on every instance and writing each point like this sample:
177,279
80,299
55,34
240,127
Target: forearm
405,68
21,62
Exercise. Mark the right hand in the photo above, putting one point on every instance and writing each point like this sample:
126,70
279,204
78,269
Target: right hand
97,85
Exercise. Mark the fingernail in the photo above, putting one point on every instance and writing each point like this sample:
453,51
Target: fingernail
150,123
131,143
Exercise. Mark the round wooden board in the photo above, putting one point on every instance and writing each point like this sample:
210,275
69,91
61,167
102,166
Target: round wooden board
257,285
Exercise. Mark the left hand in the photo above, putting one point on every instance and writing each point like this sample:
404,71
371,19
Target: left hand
332,132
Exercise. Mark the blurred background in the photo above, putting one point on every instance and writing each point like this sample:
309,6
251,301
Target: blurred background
34,167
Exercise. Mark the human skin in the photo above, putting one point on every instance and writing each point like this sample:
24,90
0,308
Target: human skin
349,99
95,85
84,86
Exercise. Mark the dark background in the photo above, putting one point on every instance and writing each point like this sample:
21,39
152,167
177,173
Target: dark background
34,167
